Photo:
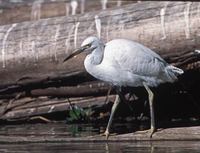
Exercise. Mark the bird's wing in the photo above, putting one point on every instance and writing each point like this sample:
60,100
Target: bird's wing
141,65
136,58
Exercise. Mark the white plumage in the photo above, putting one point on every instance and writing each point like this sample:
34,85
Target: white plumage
123,62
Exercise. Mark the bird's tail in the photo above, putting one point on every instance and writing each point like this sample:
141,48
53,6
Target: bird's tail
173,72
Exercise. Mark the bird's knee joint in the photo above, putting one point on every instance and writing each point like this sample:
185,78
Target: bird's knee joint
114,106
112,109
150,104
151,96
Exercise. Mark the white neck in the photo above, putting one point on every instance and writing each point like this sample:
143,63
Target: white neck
93,60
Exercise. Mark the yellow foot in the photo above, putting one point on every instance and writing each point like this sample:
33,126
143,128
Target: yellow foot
151,131
107,134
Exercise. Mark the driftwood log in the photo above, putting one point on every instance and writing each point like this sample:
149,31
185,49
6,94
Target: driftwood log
25,108
32,52
26,10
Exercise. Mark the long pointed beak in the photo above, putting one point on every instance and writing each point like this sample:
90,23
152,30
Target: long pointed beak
76,52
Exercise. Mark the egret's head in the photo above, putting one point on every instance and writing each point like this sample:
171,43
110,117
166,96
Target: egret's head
88,45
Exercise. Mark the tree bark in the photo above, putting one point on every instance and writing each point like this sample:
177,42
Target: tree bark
27,10
27,107
94,88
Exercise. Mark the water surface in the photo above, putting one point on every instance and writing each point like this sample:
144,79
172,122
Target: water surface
78,130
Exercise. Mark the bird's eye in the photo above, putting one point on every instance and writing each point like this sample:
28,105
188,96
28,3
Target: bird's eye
89,45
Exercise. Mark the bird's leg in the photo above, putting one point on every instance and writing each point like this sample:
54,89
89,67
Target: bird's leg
114,107
151,95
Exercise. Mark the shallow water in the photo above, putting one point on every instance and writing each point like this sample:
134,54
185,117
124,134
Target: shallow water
61,129
137,147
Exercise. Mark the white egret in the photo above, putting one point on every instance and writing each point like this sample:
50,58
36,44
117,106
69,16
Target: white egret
122,63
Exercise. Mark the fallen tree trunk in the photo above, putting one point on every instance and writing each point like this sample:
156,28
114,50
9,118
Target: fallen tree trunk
35,49
29,83
90,89
20,11
25,108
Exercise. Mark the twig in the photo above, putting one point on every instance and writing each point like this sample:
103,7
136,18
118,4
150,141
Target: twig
41,118
8,106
